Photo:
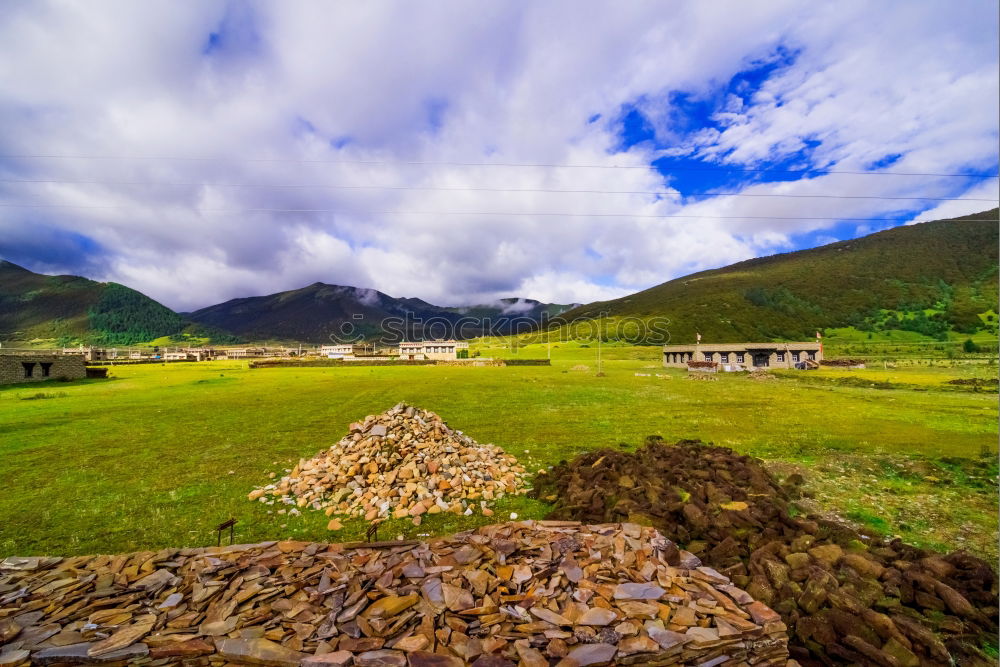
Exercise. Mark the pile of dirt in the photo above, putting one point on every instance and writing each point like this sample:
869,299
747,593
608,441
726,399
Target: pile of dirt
529,593
701,375
844,598
760,375
402,463
975,382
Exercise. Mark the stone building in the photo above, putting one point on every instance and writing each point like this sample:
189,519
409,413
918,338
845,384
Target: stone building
743,356
26,366
432,349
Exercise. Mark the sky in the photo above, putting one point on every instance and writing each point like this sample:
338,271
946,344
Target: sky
203,151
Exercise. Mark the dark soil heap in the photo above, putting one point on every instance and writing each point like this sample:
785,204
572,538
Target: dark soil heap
844,598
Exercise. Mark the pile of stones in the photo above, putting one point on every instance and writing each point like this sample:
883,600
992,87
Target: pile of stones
846,598
528,593
405,462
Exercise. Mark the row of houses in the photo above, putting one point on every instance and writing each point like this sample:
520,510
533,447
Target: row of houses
432,349
743,356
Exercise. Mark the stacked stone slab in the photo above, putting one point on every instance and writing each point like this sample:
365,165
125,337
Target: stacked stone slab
405,462
845,598
528,593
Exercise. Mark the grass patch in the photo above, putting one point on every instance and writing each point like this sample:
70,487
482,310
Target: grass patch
163,454
873,522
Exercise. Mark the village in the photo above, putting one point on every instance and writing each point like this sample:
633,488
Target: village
19,365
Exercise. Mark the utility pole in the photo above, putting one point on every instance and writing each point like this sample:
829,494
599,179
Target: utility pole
600,331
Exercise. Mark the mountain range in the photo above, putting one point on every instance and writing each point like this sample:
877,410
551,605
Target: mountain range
320,312
931,277
936,276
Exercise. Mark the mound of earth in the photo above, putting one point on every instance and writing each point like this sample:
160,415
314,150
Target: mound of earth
974,382
402,463
844,598
528,593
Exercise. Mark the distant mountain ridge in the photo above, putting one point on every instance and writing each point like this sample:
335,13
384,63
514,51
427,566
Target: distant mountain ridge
322,313
939,276
72,309
947,267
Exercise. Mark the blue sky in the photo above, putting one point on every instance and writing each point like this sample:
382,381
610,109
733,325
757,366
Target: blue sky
207,151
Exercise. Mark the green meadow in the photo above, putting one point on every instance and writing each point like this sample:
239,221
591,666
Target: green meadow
157,455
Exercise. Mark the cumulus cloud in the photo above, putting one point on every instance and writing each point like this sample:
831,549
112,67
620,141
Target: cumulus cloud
292,113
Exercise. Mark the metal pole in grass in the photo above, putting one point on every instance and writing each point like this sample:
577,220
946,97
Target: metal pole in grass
600,331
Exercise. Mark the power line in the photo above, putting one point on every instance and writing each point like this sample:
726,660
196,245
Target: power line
471,189
494,213
428,163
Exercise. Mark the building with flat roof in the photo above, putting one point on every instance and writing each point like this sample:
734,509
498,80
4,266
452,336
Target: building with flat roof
341,350
744,356
432,349
27,366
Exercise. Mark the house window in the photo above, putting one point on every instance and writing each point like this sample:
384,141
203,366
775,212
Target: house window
29,368
812,355
781,356
46,366
795,356
739,358
724,357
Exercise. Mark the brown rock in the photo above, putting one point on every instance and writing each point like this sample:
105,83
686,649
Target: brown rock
380,658
457,599
191,648
412,643
427,659
590,654
391,605
258,652
597,616
334,659
120,639
828,554
633,591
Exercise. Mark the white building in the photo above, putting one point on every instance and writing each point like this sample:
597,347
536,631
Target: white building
339,351
432,349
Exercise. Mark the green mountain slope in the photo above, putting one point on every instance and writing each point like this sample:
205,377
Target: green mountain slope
938,275
74,309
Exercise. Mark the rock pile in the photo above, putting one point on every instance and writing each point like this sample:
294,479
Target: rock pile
843,598
528,593
403,463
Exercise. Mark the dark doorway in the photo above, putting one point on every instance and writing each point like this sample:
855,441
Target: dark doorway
761,360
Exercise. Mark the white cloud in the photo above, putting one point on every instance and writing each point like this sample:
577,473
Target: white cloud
409,84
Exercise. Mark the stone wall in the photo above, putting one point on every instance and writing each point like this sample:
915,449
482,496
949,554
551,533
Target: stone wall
18,368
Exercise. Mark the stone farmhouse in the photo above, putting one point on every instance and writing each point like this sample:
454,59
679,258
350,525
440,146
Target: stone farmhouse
27,366
744,356
432,349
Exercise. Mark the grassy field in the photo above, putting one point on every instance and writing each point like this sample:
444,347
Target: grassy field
158,455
